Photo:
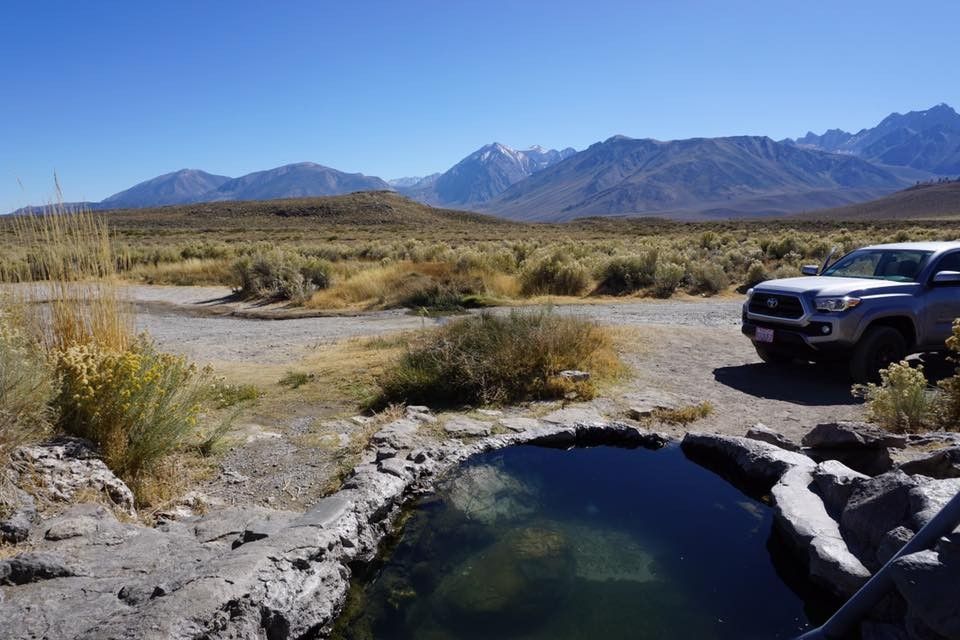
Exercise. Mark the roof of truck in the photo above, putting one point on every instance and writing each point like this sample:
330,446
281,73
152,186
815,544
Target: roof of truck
918,246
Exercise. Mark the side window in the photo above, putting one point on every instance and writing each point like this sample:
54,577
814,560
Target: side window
949,262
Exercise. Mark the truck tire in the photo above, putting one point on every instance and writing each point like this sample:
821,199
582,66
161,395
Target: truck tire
878,348
772,356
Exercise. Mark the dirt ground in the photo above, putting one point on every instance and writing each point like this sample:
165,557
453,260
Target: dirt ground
289,447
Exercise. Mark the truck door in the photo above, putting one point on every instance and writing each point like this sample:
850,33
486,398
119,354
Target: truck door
941,303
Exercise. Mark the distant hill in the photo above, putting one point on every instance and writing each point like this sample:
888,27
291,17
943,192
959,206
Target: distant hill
367,208
304,179
742,175
484,174
186,185
921,202
928,140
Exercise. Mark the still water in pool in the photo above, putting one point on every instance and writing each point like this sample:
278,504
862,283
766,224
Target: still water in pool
537,543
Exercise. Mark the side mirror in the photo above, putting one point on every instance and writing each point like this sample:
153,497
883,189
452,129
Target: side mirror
947,277
810,270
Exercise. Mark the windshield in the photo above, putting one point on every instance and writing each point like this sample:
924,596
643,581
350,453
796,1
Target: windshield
882,264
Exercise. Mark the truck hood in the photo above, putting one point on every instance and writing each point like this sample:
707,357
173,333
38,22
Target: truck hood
830,286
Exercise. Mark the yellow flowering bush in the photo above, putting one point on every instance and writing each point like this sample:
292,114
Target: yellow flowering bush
902,401
137,405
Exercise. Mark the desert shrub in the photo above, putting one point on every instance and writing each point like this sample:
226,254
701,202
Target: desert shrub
668,277
138,406
489,359
756,273
901,402
555,275
628,274
224,394
947,410
708,278
280,275
296,379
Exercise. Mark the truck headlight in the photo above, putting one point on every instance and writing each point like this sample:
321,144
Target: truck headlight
835,304
749,293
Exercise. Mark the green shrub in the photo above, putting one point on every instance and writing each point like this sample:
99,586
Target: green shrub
280,275
555,276
489,359
902,401
226,395
948,403
628,274
708,278
756,273
668,277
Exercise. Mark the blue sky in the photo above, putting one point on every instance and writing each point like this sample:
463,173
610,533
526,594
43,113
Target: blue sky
111,93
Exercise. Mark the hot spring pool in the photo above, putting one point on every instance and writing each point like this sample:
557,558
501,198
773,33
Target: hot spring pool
601,543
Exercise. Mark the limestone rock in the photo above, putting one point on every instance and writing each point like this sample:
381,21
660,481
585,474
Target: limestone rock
939,464
930,588
66,466
745,461
764,434
802,516
834,483
464,426
851,435
32,567
518,424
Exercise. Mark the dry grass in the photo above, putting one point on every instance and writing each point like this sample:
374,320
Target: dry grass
193,271
684,415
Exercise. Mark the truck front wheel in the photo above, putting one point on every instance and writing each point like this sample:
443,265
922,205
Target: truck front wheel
877,349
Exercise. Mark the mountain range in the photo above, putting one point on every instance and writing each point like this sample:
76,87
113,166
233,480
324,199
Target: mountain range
698,177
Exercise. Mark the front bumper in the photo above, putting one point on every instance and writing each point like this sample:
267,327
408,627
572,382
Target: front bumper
814,336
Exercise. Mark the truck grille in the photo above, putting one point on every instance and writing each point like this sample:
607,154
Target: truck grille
777,305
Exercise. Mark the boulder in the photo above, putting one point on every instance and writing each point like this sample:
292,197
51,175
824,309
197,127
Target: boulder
930,588
397,434
33,567
939,464
928,496
754,464
852,435
20,515
762,433
876,506
464,426
802,516
64,467
574,375
834,483
646,403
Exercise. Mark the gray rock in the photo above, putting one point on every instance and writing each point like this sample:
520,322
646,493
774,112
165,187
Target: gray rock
15,527
876,506
851,435
417,408
939,464
397,434
574,416
930,588
744,461
574,375
490,413
763,434
892,542
812,533
32,567
66,466
68,527
928,496
464,426
518,424
835,482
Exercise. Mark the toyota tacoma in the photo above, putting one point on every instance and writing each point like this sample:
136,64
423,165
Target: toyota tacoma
870,308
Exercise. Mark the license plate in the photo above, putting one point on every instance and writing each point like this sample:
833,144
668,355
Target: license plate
763,335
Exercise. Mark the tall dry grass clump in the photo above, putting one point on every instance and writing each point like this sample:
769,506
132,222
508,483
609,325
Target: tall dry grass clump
98,380
490,359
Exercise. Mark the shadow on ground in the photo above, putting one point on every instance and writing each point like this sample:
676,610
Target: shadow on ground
804,384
